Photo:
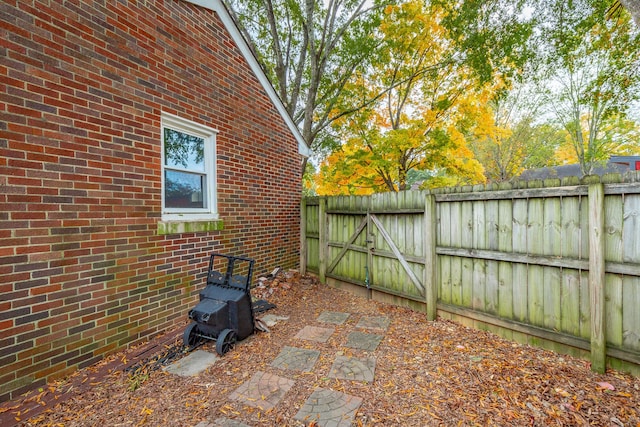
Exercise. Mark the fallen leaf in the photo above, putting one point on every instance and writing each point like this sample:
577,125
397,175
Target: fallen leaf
568,407
605,386
9,408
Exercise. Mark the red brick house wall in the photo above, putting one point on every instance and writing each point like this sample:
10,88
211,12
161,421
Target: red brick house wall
83,268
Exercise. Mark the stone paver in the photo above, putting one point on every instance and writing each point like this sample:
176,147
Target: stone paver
329,408
271,319
335,317
221,422
192,364
313,333
363,341
227,422
353,368
373,322
296,359
263,390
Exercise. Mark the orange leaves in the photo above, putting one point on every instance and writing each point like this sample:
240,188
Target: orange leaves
145,412
8,408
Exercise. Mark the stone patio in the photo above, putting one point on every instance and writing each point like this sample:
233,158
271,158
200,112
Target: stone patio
324,407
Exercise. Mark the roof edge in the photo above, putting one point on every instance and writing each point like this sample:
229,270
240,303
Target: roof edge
221,9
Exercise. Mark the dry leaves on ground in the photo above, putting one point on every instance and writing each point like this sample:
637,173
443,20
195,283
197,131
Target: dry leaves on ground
427,373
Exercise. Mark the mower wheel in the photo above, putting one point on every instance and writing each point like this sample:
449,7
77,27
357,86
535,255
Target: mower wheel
226,340
190,336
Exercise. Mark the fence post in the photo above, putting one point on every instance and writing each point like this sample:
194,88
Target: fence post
430,279
303,236
597,277
322,240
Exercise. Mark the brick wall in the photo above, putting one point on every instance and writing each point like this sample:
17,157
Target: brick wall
83,271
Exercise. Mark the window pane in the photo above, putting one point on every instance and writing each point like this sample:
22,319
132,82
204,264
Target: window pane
183,150
183,190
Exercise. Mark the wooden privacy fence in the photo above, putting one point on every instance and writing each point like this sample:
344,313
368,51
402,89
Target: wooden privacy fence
550,263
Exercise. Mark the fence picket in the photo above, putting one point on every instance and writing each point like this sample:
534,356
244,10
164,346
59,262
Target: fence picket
631,284
552,244
613,216
505,270
597,277
535,246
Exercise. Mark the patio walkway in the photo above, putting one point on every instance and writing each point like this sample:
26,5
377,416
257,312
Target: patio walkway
323,407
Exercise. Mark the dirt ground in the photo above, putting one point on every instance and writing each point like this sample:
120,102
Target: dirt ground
427,373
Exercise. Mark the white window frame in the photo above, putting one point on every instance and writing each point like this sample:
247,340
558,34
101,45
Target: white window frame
210,211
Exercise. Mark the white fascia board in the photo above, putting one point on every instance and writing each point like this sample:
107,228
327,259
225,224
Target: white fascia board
220,8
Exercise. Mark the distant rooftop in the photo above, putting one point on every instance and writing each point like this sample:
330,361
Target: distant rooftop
616,164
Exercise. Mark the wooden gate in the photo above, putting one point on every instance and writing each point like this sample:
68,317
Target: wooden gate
373,230
377,242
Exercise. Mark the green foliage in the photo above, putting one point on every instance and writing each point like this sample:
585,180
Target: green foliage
492,35
310,50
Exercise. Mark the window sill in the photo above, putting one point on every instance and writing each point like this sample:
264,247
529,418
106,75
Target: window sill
189,226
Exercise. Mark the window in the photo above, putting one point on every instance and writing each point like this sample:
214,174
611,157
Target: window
188,170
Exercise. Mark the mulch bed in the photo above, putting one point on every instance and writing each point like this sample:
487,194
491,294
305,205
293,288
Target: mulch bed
427,373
